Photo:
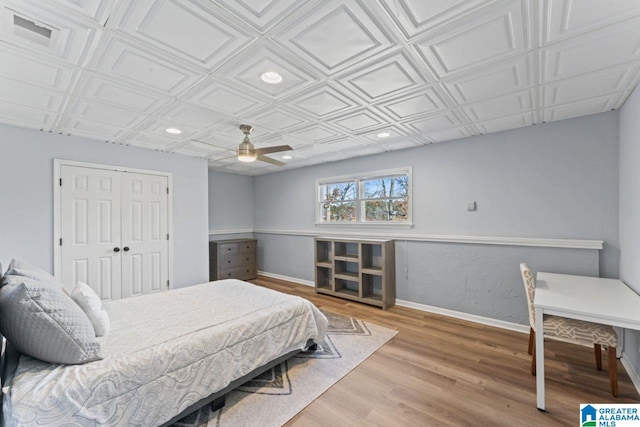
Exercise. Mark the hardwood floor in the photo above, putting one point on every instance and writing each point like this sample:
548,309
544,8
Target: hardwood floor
444,371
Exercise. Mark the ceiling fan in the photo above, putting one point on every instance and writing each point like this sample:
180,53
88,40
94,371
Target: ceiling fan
247,152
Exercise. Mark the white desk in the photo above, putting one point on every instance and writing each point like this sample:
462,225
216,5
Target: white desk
606,301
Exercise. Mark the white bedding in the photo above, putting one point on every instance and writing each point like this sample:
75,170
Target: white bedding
164,352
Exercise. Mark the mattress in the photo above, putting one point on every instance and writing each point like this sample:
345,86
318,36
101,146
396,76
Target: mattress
164,352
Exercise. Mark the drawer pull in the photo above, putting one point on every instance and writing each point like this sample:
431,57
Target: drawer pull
228,249
229,262
228,274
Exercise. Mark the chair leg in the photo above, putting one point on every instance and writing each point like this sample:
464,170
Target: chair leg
533,354
597,349
531,341
613,370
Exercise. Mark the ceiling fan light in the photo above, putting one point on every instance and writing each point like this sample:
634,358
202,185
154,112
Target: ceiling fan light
245,154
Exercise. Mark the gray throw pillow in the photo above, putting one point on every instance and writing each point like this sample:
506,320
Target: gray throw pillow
44,322
23,269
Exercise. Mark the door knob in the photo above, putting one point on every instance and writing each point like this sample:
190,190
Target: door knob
116,249
126,249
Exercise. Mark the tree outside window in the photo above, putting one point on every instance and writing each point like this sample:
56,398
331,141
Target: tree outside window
382,197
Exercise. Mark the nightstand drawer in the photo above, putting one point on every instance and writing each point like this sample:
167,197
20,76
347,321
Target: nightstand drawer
247,247
243,273
236,260
229,248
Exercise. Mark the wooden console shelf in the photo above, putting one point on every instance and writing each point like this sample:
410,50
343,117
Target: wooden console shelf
357,270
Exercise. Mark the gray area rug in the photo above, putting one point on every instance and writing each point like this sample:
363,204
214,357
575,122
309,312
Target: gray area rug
276,396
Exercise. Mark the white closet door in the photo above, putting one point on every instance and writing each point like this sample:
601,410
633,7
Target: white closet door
90,229
144,234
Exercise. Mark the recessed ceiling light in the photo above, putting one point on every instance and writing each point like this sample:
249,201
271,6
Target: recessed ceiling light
383,135
173,131
271,77
286,157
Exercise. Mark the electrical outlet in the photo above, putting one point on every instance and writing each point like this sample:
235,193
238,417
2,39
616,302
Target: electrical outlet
472,206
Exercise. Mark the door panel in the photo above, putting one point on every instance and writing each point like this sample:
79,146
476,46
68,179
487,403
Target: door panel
144,231
90,229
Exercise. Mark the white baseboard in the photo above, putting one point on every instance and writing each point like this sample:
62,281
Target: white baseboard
465,316
427,308
287,278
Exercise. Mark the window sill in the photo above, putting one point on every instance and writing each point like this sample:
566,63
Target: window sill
377,225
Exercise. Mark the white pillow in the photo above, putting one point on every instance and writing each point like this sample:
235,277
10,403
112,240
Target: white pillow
91,303
42,321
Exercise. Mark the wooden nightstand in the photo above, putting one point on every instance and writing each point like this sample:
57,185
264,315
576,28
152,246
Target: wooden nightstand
233,259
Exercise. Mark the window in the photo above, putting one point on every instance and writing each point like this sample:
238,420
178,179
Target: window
378,198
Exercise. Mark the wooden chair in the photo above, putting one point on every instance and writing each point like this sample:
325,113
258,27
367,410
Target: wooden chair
571,330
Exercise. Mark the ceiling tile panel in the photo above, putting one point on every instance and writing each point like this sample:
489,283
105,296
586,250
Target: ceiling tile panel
563,18
90,129
169,25
504,123
180,114
323,101
335,35
224,99
246,69
151,69
19,65
31,118
414,104
581,108
106,114
449,134
503,32
589,86
417,16
433,124
501,107
30,96
489,82
153,142
101,88
385,77
360,121
315,133
277,118
613,45
262,14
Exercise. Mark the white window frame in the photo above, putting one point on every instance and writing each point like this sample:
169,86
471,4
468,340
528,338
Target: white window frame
359,185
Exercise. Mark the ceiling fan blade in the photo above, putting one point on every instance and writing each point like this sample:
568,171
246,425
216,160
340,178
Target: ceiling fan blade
276,149
269,160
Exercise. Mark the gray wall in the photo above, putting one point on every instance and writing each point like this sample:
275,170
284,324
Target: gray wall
26,181
630,211
230,201
556,180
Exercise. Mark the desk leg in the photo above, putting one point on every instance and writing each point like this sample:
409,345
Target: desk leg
540,359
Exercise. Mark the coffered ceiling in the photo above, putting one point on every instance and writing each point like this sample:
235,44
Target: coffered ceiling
418,71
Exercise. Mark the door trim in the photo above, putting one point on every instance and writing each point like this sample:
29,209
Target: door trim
57,220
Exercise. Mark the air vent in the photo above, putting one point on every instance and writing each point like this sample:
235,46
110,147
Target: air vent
31,26
35,33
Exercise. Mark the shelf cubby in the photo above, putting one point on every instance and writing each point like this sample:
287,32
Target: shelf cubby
358,270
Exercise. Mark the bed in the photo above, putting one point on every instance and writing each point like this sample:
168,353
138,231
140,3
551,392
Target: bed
165,355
